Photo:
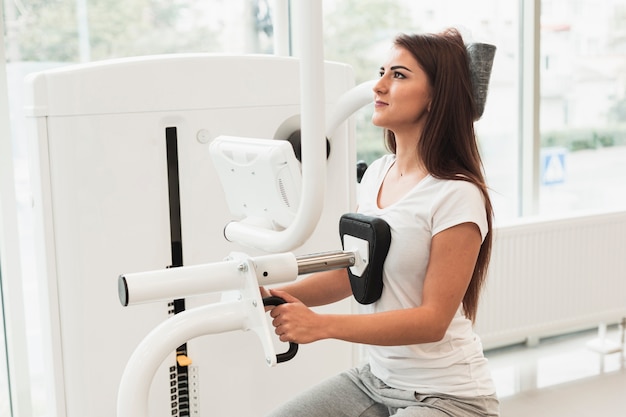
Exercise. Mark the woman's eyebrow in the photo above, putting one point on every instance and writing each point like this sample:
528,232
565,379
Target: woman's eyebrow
396,67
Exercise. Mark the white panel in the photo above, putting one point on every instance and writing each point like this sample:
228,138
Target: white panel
550,277
103,199
166,82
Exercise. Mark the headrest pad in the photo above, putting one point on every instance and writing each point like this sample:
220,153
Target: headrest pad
481,57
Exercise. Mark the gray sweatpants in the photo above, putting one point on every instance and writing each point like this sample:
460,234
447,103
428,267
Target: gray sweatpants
358,393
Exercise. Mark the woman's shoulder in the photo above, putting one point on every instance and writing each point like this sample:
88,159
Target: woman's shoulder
459,185
457,201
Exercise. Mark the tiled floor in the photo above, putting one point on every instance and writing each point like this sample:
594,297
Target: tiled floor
561,376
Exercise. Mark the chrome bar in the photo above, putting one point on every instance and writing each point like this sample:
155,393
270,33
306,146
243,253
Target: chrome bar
324,261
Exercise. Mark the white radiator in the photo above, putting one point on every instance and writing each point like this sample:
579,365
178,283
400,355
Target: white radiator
550,277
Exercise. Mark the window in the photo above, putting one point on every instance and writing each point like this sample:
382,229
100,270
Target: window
582,97
583,105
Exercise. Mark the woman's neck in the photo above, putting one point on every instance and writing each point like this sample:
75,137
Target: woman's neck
407,160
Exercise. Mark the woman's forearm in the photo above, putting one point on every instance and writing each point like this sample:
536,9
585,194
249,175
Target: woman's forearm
392,328
295,322
320,288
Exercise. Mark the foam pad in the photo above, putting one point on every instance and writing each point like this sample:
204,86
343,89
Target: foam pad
368,286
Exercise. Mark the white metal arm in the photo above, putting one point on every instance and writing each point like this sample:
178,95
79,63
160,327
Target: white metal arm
135,385
228,275
309,22
348,103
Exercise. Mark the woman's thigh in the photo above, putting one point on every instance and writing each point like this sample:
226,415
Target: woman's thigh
447,406
335,397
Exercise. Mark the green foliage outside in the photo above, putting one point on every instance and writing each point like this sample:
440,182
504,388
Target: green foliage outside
357,32
361,40
588,138
48,30
611,133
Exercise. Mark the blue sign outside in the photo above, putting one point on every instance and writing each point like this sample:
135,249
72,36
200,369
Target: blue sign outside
553,166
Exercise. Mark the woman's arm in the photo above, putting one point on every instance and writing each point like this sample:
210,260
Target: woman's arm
320,288
451,264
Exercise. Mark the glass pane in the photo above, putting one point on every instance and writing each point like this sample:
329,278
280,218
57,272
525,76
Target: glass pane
583,105
41,34
83,30
361,40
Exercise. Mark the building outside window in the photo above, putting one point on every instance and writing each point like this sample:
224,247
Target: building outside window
583,106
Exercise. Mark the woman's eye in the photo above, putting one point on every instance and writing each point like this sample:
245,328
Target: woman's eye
398,75
381,73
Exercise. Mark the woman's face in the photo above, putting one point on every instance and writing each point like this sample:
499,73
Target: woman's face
403,94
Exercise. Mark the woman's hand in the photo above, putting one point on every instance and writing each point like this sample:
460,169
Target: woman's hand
294,321
264,292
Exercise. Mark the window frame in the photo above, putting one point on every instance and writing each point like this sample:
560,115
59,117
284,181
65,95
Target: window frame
530,101
10,271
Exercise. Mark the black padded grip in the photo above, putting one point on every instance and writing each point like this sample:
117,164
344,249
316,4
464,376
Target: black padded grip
369,286
293,347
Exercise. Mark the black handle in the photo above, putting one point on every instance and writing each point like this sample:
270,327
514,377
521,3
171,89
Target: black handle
293,347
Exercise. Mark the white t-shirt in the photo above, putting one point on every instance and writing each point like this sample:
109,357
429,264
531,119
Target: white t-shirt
454,365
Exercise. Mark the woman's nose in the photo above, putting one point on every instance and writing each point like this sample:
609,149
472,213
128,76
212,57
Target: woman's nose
379,87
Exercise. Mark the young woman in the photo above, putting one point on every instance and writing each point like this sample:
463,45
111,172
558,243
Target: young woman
424,359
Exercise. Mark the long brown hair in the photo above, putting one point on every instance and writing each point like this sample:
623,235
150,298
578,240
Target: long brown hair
448,147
